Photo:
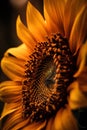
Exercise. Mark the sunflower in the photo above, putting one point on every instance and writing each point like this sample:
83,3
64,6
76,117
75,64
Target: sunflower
48,70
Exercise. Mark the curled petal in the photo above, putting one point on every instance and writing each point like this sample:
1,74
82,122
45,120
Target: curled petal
13,62
21,52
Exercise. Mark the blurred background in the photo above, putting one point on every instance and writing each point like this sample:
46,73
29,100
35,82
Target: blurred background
9,10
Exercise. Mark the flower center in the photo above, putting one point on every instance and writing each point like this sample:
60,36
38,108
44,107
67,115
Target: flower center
48,74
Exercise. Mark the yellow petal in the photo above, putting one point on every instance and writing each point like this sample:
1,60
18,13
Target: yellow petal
64,120
54,11
13,62
72,8
21,52
12,69
36,23
79,30
77,98
24,34
10,91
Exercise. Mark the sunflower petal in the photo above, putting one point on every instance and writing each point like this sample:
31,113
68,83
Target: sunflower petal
35,126
13,62
20,125
10,91
24,34
82,80
11,69
77,98
13,119
49,124
54,11
72,8
64,120
8,109
21,52
36,23
81,59
79,30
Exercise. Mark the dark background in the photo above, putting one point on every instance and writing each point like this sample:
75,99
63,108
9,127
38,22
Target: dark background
8,38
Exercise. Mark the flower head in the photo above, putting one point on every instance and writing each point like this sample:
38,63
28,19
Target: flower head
48,69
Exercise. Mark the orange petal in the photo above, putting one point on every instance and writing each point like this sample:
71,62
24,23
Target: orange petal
13,119
21,52
77,98
79,30
24,34
36,23
10,91
81,59
20,125
82,80
8,109
35,126
13,62
64,120
49,124
72,8
53,12
12,69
